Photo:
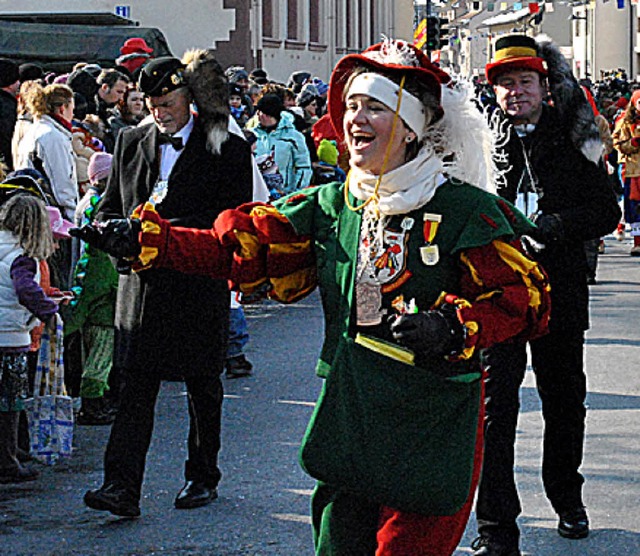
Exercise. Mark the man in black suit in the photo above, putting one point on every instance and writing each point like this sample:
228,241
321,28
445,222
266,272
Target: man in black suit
170,325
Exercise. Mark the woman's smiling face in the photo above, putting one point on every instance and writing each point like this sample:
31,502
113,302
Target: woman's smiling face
367,129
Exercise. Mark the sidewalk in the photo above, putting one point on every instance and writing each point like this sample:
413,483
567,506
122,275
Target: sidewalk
612,452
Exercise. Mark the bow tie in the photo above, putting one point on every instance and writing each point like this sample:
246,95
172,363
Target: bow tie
166,139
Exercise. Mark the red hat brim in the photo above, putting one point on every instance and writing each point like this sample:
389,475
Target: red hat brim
137,45
430,75
534,63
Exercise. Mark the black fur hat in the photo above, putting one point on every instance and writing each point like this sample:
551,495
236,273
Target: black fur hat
209,86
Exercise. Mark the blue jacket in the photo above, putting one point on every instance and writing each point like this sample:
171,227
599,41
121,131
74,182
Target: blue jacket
291,153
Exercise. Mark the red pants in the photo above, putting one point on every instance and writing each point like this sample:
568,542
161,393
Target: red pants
407,534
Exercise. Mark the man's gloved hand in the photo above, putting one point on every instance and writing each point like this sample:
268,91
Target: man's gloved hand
118,238
550,228
432,333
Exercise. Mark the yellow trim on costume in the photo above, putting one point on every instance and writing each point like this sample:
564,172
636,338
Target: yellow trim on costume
267,210
515,52
472,329
249,244
290,248
148,254
475,276
250,287
293,286
525,267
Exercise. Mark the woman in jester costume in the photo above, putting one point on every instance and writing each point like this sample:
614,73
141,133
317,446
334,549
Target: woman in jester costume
419,267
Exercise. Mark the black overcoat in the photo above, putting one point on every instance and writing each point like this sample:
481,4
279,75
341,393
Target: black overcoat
578,190
168,322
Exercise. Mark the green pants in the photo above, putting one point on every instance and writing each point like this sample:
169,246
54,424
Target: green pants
97,347
343,524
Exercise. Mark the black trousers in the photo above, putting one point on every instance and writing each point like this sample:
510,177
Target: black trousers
128,445
557,361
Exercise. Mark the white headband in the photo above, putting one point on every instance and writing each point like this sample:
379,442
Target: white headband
384,90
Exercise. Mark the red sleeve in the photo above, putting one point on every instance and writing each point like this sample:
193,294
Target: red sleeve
254,246
505,295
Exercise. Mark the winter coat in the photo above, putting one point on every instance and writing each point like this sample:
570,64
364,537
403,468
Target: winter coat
15,318
291,153
22,301
576,189
629,155
47,147
168,322
8,117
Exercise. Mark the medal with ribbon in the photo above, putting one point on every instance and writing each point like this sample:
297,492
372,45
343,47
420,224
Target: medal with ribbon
429,252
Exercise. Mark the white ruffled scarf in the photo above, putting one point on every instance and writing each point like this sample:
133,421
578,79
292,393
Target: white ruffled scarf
401,191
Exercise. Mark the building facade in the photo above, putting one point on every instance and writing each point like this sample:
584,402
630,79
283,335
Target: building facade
280,35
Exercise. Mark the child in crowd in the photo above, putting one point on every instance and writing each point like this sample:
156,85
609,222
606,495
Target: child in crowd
235,105
93,308
25,238
326,170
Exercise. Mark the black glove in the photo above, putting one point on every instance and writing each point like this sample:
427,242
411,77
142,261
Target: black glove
550,228
118,238
432,333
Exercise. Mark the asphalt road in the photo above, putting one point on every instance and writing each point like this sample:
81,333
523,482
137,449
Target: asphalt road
264,499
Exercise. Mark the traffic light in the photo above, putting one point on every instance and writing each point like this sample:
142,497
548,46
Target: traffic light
433,33
444,32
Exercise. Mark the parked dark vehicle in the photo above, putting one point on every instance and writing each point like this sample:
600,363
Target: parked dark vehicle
58,41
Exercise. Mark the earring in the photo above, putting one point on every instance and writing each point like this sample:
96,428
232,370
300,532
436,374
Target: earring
409,138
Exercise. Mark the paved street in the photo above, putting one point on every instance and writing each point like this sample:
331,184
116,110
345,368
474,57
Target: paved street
264,496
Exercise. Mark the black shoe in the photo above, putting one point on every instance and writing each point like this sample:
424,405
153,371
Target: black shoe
23,456
113,498
195,494
573,524
484,546
93,412
19,474
238,367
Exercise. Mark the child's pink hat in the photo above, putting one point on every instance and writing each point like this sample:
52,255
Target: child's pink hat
59,226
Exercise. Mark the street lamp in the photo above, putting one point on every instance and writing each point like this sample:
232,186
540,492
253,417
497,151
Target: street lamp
574,17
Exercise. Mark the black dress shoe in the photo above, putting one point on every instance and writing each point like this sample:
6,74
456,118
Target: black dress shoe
113,498
238,367
484,546
195,494
574,524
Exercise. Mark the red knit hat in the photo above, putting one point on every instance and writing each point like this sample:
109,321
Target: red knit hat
390,57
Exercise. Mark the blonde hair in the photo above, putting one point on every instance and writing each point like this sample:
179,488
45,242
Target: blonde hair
47,100
26,217
24,96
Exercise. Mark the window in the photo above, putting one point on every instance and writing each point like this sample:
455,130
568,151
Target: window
314,21
269,19
293,32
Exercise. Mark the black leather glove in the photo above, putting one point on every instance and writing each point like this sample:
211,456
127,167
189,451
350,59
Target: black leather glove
432,333
550,228
118,238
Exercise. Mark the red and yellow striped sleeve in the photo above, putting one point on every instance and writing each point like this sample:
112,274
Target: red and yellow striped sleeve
254,246
504,296
507,292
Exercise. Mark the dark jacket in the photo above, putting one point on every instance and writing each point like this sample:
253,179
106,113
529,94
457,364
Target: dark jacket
578,190
168,322
8,117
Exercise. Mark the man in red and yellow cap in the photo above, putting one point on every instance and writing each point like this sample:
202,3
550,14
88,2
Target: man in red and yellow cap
552,171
